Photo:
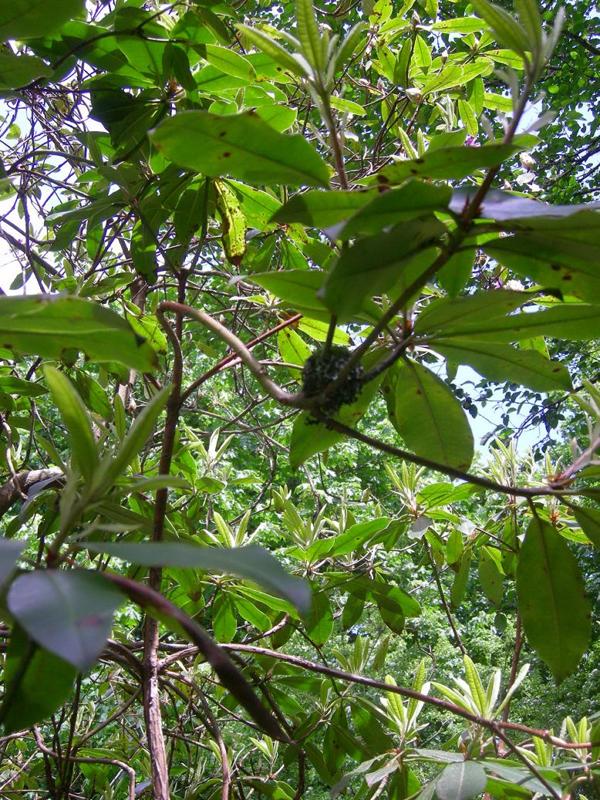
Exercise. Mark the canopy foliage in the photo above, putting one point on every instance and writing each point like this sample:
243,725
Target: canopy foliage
269,267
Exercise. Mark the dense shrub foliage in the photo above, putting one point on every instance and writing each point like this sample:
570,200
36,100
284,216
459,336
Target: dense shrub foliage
299,339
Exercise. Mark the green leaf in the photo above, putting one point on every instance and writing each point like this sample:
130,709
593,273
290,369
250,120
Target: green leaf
391,614
321,209
297,288
456,272
501,363
233,223
319,623
468,117
230,62
292,347
520,776
569,321
448,162
112,465
475,685
347,106
460,25
445,312
456,75
279,117
373,264
318,331
461,781
17,71
313,45
252,563
350,43
497,102
383,592
273,49
37,683
555,611
349,541
556,262
530,19
28,19
240,145
10,550
454,547
258,206
428,416
52,325
459,586
68,613
252,614
13,385
490,574
413,199
505,28
77,421
224,619
588,520
353,609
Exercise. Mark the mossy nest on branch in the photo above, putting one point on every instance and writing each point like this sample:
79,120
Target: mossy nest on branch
323,367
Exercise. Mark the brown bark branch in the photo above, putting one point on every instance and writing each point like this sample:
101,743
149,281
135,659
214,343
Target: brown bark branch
151,687
22,482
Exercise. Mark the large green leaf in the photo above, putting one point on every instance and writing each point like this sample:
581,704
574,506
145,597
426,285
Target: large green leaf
252,563
16,71
556,613
448,162
501,363
520,776
456,75
273,49
413,199
242,146
428,416
490,574
58,326
567,264
445,312
36,683
13,385
322,209
68,613
230,62
77,421
28,19
352,539
319,623
114,464
589,522
10,550
374,264
568,321
258,206
461,781
298,289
